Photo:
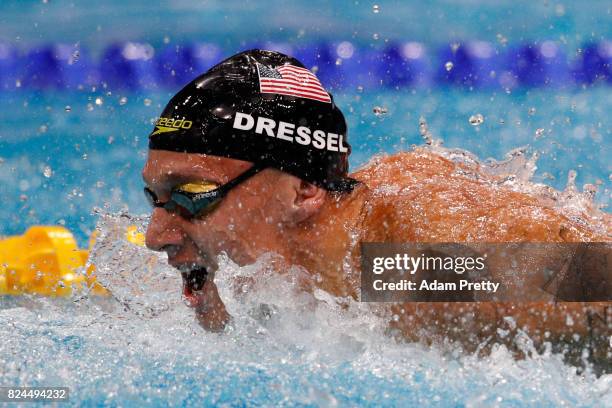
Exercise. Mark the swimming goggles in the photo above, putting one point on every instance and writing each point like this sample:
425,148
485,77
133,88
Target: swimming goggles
198,199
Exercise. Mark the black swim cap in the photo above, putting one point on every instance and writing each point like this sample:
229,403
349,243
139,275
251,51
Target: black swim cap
263,107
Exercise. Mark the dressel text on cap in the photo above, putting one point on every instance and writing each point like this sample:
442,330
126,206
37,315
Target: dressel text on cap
290,132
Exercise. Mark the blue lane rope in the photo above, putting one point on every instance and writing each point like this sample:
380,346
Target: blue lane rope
134,66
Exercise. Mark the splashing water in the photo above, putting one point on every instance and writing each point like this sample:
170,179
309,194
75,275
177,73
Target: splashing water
47,171
427,136
379,111
287,344
476,120
516,172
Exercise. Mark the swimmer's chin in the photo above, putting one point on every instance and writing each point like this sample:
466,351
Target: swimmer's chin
200,293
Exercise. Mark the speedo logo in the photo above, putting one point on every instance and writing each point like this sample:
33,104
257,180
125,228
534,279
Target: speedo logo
290,132
164,125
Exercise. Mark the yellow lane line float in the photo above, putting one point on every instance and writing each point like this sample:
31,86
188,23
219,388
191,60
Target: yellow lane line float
47,261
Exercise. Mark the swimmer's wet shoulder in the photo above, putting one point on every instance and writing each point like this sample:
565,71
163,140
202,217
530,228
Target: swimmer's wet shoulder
423,197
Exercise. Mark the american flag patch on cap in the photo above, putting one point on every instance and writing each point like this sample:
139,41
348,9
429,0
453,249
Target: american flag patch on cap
291,80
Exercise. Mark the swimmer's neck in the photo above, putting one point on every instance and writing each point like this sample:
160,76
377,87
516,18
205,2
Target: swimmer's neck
325,244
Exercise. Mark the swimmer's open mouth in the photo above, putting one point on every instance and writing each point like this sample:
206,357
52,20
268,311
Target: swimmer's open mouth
193,282
195,278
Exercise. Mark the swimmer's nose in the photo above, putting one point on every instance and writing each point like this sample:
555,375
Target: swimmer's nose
164,232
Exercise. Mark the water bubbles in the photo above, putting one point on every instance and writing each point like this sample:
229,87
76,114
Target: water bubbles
68,108
375,36
531,111
90,107
123,100
448,66
147,102
570,186
539,133
379,111
426,134
376,9
501,39
47,171
166,40
17,83
99,101
43,129
476,120
589,191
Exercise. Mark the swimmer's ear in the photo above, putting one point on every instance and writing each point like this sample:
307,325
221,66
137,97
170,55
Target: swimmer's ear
308,200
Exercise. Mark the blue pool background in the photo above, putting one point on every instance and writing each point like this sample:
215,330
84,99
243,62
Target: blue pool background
64,152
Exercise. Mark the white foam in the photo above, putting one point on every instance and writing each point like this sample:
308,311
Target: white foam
287,343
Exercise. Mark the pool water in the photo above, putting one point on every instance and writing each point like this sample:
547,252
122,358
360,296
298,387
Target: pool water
284,347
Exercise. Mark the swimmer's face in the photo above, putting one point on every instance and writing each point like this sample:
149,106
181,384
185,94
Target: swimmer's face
252,219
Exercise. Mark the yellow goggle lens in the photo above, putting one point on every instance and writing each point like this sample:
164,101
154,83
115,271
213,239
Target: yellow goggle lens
195,188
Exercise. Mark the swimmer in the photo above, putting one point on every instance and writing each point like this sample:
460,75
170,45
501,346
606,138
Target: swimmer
252,158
